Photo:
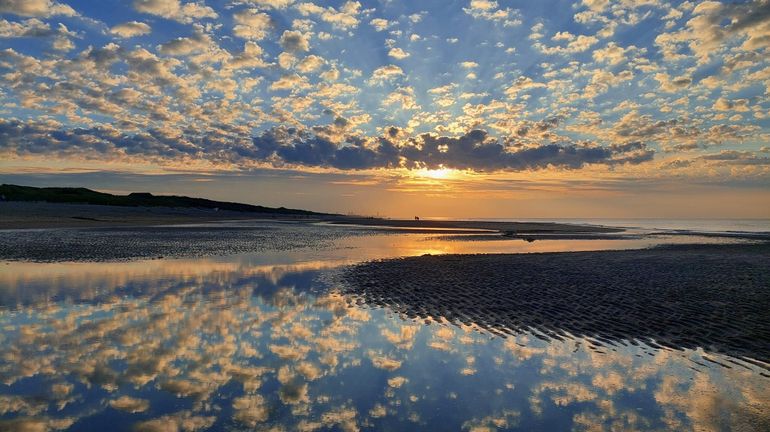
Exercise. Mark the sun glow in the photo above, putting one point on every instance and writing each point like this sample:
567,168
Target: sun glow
436,174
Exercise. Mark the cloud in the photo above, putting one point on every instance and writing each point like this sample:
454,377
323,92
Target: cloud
713,25
280,146
737,157
672,85
60,37
310,63
130,29
385,73
183,420
488,10
574,45
36,8
723,104
181,46
272,4
380,24
252,24
344,18
613,54
32,27
129,404
290,82
174,10
398,53
404,97
521,84
294,41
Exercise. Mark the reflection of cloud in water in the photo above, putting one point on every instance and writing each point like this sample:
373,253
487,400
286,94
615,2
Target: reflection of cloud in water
129,404
257,347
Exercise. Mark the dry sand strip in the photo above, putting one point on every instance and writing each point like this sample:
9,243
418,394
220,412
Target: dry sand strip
510,228
678,296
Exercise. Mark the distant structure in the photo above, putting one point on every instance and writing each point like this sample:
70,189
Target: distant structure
416,218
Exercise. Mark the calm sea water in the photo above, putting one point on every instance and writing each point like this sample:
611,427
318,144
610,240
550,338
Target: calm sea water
264,341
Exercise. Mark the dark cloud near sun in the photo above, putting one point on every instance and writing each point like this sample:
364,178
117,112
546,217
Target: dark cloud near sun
287,146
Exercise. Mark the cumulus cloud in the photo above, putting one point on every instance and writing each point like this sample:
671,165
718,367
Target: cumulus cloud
575,44
385,73
713,25
398,53
380,24
344,18
280,146
292,82
613,54
181,46
723,104
672,85
175,10
402,97
310,63
489,10
35,8
522,84
32,27
294,41
252,24
130,29
272,4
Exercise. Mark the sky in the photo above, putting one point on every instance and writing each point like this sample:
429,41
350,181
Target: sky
472,108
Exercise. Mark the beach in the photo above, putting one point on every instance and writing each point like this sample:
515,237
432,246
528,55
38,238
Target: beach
157,318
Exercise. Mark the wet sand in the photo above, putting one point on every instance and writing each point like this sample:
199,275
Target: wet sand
716,297
97,244
39,215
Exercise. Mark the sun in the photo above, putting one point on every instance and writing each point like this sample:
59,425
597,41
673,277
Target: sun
436,174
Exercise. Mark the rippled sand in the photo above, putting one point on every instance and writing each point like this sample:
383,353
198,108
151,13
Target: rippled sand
686,296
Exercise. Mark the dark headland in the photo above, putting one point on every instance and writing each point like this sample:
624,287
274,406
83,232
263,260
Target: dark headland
55,207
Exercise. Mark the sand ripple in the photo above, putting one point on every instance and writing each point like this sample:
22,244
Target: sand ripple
686,296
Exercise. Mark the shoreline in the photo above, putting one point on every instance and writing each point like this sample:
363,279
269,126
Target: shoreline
42,215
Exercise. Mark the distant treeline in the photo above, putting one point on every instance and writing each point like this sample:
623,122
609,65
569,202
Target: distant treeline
137,199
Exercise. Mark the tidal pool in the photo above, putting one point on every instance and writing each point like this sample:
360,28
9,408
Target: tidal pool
266,341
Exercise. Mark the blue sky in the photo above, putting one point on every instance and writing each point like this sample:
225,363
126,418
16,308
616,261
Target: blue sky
458,91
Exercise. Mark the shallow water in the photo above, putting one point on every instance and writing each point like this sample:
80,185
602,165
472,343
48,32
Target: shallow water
656,224
264,340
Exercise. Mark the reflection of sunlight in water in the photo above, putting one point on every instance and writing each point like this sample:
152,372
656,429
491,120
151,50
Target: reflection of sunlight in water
261,341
